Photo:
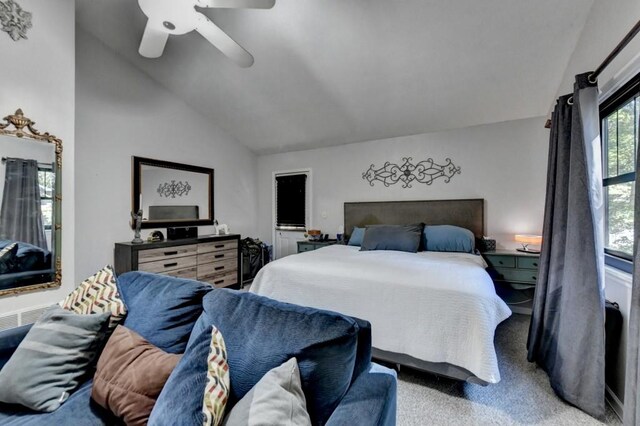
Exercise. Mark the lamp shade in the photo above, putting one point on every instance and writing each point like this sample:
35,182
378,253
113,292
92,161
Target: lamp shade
529,239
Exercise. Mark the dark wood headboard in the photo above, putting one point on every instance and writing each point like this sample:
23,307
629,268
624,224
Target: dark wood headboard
465,213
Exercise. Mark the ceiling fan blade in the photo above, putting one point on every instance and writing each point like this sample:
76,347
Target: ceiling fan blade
224,43
238,4
153,42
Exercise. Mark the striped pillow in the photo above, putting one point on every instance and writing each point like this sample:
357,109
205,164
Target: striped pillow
52,359
216,392
97,294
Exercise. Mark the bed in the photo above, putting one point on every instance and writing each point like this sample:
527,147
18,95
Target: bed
429,310
28,265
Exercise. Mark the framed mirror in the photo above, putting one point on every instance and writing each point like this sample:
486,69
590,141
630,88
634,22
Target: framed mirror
172,194
30,207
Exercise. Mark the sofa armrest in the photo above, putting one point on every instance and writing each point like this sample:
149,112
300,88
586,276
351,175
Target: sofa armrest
9,341
371,399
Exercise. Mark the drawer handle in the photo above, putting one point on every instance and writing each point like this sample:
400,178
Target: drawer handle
535,264
170,253
218,256
169,265
217,268
533,278
219,246
500,262
218,282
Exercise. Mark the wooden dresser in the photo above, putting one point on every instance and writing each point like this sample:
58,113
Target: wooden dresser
213,259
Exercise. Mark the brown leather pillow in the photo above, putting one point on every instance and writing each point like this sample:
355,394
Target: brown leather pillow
130,375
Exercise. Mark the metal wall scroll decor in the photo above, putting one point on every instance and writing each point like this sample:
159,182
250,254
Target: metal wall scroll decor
409,172
15,21
174,189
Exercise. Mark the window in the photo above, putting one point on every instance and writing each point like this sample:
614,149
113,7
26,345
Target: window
619,116
291,201
46,182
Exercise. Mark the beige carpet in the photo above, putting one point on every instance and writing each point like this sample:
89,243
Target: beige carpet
523,396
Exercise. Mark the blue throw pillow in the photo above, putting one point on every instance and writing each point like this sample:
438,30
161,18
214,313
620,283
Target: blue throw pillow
392,237
181,399
261,334
356,236
162,309
449,238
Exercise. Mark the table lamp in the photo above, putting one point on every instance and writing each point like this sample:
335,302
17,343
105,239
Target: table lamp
525,240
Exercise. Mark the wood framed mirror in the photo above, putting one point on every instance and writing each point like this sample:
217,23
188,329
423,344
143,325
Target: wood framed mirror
172,194
30,207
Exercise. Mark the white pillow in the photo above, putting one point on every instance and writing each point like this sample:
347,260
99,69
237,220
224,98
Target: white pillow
277,399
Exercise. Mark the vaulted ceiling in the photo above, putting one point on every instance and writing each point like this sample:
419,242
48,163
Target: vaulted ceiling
330,72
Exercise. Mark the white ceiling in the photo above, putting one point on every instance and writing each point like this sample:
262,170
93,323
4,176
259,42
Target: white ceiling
329,72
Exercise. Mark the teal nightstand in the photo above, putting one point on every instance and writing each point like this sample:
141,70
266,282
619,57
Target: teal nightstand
313,245
515,275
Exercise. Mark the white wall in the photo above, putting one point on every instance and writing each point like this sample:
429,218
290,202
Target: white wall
504,163
120,112
38,76
606,25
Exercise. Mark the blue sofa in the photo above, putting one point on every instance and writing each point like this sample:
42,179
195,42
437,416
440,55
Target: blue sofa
341,384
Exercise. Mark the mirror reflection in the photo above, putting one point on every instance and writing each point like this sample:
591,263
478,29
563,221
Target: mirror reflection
27,194
172,194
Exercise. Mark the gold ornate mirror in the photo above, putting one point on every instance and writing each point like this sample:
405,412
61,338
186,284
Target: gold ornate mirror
30,207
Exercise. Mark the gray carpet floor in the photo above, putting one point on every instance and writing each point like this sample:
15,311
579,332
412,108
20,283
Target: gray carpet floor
523,396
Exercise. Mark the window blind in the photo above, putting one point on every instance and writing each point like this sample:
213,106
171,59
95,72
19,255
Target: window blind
291,196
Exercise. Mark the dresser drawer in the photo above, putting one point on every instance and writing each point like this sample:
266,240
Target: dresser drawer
305,247
153,255
528,262
208,269
517,275
217,256
169,264
217,246
189,273
501,261
222,280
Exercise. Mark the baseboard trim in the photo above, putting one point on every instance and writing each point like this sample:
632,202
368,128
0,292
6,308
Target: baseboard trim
614,402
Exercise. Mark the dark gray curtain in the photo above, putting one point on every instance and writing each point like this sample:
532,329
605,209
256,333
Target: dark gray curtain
632,372
21,214
566,335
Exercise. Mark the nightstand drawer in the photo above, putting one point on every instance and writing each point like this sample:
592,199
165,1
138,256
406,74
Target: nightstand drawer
528,262
500,261
305,247
516,275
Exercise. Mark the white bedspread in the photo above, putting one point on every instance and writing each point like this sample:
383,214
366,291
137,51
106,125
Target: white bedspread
437,307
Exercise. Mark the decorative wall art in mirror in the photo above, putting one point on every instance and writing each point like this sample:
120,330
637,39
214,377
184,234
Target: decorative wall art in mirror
172,194
30,207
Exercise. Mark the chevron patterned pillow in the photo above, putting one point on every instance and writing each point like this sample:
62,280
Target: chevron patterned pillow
216,391
97,294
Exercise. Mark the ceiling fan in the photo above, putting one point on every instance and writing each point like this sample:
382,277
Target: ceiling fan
179,17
